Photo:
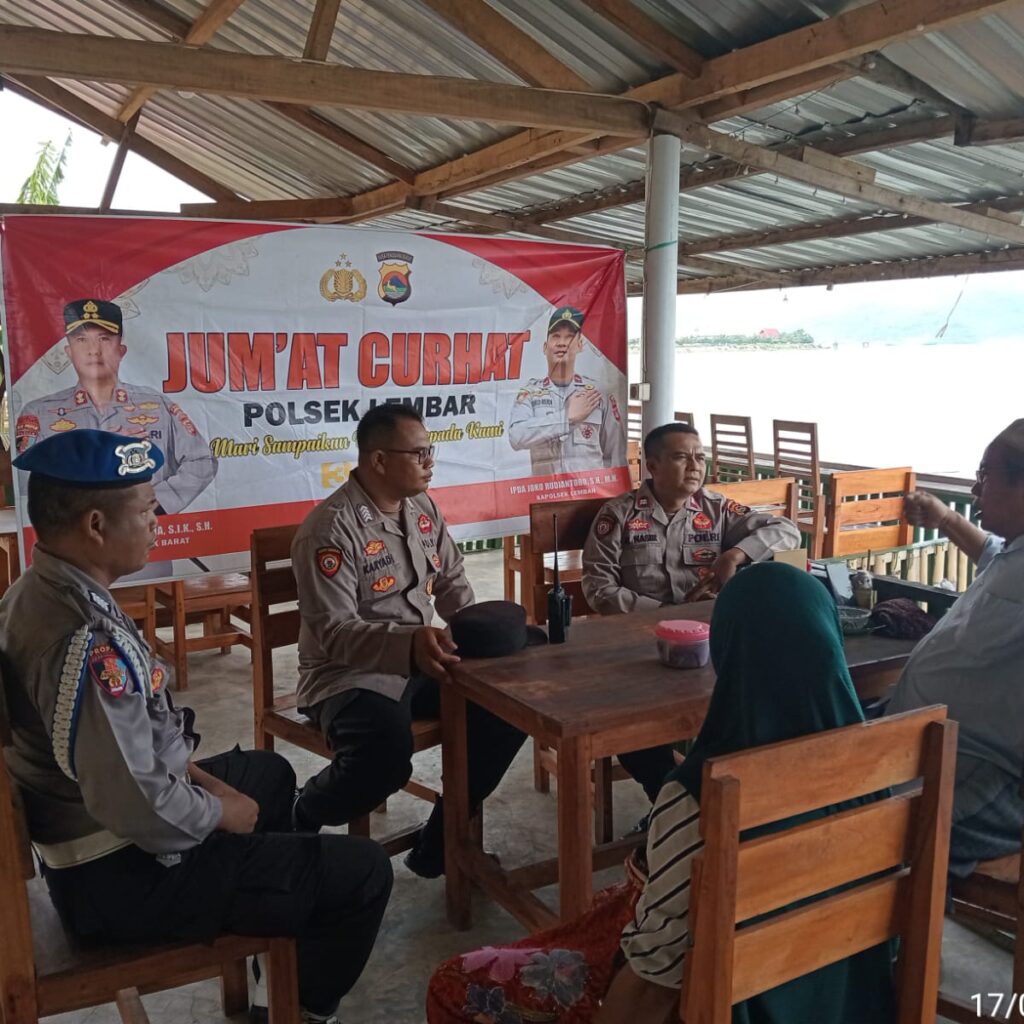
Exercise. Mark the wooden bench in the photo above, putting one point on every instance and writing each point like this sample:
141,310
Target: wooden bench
885,873
275,624
44,971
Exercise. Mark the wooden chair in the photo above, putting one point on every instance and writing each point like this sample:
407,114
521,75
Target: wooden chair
865,511
275,624
215,597
796,455
887,858
778,495
732,449
574,521
44,971
992,896
139,604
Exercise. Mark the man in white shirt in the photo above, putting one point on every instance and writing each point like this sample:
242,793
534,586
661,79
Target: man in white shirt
973,660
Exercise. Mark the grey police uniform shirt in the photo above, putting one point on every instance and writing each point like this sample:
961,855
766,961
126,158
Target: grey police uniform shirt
540,422
96,743
366,584
635,557
138,413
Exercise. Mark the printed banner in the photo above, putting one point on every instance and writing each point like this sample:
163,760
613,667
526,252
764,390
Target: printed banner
248,352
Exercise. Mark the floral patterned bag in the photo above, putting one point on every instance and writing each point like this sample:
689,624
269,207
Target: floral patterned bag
557,975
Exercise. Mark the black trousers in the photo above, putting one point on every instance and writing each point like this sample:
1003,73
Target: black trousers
328,891
649,767
371,738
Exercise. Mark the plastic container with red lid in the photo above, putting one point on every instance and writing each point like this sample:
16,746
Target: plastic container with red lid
683,643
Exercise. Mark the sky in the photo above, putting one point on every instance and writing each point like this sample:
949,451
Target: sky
958,309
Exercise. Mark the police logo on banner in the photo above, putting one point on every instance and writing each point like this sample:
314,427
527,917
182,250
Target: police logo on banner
394,285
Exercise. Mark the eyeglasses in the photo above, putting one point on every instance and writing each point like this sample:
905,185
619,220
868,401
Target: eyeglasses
422,454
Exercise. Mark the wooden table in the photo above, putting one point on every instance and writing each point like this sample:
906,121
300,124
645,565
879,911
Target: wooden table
601,693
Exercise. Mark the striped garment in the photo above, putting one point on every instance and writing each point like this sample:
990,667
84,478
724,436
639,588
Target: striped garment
655,942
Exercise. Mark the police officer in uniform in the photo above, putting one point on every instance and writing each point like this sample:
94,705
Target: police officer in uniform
373,562
671,540
95,346
141,842
566,421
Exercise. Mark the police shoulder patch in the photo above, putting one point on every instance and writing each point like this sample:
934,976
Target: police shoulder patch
736,508
605,525
108,669
328,561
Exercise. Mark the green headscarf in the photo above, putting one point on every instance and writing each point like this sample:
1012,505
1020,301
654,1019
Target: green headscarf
777,648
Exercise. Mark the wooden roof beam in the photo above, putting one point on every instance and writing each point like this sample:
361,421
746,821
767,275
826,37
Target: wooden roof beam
840,227
651,34
509,44
857,273
67,104
991,133
838,179
177,27
321,29
164,65
872,26
715,172
201,31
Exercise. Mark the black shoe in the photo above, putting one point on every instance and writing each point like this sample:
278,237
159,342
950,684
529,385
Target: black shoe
426,865
640,827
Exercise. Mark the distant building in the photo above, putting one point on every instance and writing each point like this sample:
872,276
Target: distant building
768,332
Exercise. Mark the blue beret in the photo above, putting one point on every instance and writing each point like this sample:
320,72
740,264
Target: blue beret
566,315
93,458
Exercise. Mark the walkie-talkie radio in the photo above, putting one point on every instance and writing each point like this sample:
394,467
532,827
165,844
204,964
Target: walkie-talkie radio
559,602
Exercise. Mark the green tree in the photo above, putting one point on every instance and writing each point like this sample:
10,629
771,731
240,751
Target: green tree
40,188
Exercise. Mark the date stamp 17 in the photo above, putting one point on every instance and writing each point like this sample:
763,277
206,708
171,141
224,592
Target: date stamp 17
1000,1005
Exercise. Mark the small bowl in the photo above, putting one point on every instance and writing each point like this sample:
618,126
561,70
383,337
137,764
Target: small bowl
855,620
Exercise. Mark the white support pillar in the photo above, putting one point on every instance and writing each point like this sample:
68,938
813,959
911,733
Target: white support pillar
658,345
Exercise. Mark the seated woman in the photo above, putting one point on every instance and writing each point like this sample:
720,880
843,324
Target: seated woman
778,652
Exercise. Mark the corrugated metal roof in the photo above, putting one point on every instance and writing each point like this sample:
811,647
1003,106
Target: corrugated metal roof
260,154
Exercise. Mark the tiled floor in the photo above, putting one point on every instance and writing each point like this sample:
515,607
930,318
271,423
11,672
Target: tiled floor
415,936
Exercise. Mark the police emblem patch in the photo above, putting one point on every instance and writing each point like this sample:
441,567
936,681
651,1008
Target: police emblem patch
121,395
328,561
702,521
26,431
156,679
81,397
705,556
364,513
425,523
108,670
587,431
604,526
383,585
736,508
638,525
436,559
643,501
373,547
134,458
614,407
63,424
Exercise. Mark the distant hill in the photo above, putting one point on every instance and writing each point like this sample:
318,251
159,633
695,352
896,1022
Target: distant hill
767,338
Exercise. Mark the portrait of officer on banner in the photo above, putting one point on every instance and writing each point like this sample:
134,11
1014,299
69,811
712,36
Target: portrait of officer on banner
100,400
567,421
